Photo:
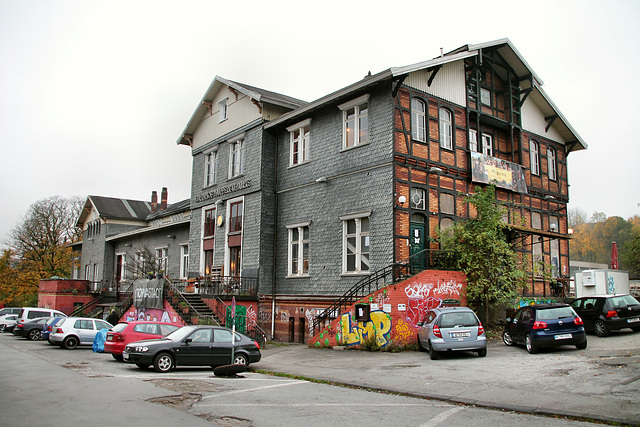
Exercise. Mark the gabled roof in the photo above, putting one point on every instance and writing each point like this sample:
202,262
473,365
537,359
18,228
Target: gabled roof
503,46
126,209
113,208
257,94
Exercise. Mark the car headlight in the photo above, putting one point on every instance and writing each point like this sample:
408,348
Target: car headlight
141,349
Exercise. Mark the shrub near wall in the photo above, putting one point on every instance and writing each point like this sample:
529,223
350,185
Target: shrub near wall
394,312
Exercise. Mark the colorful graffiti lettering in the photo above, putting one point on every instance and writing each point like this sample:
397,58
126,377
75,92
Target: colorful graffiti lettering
611,285
531,301
356,333
418,307
309,314
423,290
404,332
153,314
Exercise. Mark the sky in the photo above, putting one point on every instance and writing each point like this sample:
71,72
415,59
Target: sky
94,94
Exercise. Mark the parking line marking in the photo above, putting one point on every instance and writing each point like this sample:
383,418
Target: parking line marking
441,417
254,389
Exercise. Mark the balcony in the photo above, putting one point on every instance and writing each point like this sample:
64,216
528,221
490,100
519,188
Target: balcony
219,286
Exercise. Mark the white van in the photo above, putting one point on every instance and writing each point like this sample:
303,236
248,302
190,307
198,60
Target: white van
28,313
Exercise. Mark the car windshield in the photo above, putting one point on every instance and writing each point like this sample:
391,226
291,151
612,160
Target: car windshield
555,313
181,333
451,320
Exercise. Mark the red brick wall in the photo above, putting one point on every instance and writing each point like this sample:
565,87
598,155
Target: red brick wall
395,311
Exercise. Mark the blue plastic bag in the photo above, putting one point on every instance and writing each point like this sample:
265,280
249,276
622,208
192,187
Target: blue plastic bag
98,341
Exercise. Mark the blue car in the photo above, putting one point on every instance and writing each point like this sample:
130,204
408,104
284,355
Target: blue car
545,325
48,327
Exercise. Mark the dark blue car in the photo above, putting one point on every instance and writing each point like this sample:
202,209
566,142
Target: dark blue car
545,325
48,327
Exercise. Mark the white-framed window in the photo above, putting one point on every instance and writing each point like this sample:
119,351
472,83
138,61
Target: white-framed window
536,248
223,109
536,220
210,168
418,120
355,122
298,253
446,129
96,272
299,141
487,144
162,259
485,96
418,199
184,261
236,158
551,161
473,140
121,267
87,272
355,243
534,156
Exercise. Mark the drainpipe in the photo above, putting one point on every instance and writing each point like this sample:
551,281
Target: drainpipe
275,242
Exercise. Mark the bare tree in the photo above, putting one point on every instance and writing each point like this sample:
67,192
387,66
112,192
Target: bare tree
40,239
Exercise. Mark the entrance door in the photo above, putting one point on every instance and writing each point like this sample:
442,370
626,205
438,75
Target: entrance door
417,242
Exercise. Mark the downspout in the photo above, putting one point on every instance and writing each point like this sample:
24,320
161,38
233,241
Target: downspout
275,241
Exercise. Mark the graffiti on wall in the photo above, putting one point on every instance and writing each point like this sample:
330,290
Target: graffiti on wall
153,314
611,285
521,302
425,296
357,333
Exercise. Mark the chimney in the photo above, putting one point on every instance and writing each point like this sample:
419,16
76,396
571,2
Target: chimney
163,199
154,201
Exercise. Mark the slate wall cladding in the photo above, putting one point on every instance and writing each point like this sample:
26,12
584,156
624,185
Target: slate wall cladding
359,179
249,185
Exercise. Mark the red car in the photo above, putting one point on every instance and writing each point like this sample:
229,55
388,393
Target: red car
126,332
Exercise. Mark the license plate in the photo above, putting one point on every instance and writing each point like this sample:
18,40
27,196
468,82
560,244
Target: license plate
125,356
563,336
460,334
633,320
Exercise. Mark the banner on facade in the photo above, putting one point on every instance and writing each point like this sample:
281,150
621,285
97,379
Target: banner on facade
501,173
147,293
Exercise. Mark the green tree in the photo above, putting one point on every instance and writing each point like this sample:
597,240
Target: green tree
630,252
495,273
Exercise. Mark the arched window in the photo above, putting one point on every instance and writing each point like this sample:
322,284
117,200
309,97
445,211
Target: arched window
418,120
534,155
446,129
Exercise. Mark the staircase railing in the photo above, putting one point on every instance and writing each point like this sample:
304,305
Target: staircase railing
179,302
252,329
424,260
82,310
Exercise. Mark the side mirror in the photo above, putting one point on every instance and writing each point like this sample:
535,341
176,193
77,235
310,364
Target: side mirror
188,340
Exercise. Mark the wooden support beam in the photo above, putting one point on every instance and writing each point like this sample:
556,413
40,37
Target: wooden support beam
550,119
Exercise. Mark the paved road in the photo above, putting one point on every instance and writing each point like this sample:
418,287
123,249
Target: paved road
45,385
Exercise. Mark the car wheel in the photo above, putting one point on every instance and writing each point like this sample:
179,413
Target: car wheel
506,338
636,329
118,357
70,343
142,365
432,353
240,359
482,352
531,347
163,362
34,334
600,328
581,346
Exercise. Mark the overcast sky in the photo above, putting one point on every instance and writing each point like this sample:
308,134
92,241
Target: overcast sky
94,94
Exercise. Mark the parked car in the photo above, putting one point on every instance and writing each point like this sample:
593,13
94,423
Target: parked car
125,332
31,330
451,329
48,327
75,331
28,313
604,313
545,325
196,345
7,322
10,310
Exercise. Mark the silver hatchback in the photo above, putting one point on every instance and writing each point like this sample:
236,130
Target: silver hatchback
75,331
451,329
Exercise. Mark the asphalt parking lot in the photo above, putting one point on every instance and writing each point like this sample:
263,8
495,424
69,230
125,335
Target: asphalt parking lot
599,383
